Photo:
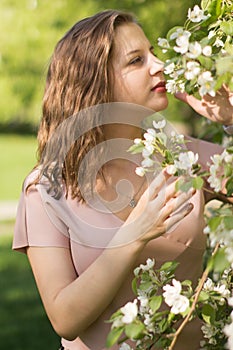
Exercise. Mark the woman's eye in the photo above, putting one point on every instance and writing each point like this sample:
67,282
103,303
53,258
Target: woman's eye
153,53
136,60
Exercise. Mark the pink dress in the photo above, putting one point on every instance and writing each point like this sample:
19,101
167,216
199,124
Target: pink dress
86,229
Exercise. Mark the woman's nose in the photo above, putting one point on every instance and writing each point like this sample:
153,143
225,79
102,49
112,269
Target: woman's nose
155,65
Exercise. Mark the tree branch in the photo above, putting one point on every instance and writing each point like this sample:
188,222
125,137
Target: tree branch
196,296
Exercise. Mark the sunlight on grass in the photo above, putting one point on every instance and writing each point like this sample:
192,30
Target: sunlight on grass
23,323
17,157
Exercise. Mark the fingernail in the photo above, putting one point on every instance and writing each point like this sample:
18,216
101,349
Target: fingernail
188,207
192,191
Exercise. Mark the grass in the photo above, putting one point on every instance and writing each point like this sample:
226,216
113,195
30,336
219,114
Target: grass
23,322
17,157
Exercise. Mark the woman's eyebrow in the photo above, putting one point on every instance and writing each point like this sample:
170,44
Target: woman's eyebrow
151,48
132,52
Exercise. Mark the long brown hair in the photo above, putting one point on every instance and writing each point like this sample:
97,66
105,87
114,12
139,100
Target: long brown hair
79,76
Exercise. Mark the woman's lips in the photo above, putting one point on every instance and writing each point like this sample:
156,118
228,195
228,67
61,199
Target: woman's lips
160,87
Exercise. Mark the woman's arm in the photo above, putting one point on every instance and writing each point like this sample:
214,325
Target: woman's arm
73,303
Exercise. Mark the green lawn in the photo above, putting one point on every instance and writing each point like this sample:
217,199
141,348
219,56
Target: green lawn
23,323
17,157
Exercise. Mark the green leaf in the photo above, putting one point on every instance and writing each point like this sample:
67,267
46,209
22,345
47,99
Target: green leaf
206,62
136,148
169,266
220,261
185,186
168,157
230,150
197,182
214,7
163,325
203,296
227,27
145,285
171,31
229,48
213,223
228,222
208,314
224,65
155,302
186,283
229,186
222,79
113,336
230,84
116,314
134,330
134,286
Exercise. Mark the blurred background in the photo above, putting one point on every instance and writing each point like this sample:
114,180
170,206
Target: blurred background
29,30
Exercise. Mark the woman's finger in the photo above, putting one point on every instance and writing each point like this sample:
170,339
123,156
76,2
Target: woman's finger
174,204
156,185
178,216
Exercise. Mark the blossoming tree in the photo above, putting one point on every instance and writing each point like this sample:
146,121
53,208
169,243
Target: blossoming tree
200,61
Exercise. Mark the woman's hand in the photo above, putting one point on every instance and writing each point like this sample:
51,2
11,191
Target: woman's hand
159,209
218,109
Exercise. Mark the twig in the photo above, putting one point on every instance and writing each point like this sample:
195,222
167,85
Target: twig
196,296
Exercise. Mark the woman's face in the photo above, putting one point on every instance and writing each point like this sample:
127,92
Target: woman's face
138,74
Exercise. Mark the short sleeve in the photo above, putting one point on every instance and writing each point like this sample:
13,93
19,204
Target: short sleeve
34,227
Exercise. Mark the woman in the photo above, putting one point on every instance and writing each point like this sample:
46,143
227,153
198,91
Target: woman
81,247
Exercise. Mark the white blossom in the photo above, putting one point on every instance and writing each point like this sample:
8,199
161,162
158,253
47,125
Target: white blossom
196,15
162,42
171,86
206,82
215,178
159,124
207,50
178,138
148,322
148,150
208,285
182,44
140,171
144,303
173,298
180,32
182,40
180,304
137,141
209,331
147,163
218,43
221,289
194,50
193,69
215,183
211,34
169,68
186,160
130,311
176,74
228,158
125,346
117,323
228,330
150,135
171,169
149,265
